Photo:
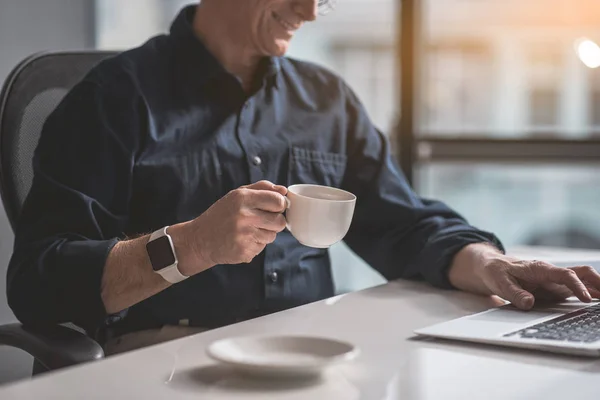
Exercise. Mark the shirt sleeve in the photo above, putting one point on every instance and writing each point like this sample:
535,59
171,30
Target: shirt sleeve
76,209
397,232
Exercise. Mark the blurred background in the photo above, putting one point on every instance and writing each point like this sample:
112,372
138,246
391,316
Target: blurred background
492,106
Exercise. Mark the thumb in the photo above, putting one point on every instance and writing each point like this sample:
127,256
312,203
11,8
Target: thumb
518,296
282,190
266,185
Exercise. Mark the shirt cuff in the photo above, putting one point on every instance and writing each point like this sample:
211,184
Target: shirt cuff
82,274
441,253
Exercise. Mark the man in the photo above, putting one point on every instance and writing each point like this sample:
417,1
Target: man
187,132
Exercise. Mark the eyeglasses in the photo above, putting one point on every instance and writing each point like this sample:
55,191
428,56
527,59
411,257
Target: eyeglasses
326,6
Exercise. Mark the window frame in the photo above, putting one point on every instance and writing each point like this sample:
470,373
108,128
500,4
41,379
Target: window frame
414,147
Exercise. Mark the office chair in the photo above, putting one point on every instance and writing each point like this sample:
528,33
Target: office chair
31,92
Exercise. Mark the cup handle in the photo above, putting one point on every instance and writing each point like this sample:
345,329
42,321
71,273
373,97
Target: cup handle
288,204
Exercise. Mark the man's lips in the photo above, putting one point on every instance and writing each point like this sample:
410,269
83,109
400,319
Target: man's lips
286,24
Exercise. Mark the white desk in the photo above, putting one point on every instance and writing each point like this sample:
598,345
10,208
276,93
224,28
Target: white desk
392,365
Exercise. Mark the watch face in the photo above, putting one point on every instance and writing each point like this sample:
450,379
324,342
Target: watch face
160,253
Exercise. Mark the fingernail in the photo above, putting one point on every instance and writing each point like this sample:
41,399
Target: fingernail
527,301
587,295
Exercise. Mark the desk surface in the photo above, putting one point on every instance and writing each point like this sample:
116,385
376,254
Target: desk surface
393,363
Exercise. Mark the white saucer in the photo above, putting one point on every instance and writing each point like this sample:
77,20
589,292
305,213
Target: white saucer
281,355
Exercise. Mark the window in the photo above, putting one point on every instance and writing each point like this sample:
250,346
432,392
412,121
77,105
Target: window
545,204
457,87
594,100
543,107
544,75
508,117
370,68
506,69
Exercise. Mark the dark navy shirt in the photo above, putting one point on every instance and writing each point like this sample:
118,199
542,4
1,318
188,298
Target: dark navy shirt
155,135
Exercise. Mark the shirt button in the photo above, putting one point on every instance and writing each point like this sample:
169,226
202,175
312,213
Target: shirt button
257,161
274,276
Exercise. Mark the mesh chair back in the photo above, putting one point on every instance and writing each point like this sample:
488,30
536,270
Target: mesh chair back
31,92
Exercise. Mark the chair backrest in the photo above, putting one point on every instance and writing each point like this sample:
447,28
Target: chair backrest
30,93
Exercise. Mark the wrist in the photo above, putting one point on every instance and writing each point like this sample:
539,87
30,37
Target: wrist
466,270
190,261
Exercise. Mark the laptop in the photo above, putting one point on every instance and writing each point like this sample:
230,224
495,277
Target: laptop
570,327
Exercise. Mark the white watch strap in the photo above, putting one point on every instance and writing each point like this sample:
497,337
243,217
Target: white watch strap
171,273
159,233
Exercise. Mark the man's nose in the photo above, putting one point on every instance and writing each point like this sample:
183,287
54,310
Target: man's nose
308,9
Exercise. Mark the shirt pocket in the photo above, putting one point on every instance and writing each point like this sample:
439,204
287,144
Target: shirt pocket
316,167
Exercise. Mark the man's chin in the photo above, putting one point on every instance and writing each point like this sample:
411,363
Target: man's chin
279,48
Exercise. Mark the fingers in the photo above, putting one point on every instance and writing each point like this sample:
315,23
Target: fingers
264,237
260,185
539,272
266,185
255,240
569,278
518,281
251,244
551,292
263,195
274,222
513,292
589,275
282,190
265,200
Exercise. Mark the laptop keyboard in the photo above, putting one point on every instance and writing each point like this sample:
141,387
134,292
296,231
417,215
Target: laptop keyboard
581,326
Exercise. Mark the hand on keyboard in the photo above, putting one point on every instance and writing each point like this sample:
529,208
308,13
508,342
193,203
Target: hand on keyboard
521,282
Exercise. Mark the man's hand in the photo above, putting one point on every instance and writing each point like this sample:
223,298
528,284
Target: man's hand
236,228
521,282
481,269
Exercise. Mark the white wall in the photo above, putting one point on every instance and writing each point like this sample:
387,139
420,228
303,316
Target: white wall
26,27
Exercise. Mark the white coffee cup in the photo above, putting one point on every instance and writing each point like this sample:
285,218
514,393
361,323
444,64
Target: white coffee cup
319,216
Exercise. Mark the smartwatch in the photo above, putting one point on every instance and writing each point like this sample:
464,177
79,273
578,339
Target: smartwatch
162,256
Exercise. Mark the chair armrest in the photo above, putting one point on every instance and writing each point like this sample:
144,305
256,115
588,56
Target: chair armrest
53,346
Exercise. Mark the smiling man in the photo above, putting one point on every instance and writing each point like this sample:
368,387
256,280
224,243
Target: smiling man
160,180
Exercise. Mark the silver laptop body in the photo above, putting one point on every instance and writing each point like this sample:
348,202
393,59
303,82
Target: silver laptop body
571,327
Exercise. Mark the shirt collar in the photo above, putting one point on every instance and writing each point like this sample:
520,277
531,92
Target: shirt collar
201,60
